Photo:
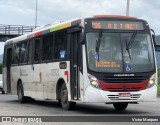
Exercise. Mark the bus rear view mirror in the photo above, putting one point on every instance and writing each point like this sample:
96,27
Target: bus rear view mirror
156,41
157,44
153,37
157,48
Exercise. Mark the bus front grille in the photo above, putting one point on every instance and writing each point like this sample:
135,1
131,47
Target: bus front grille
131,97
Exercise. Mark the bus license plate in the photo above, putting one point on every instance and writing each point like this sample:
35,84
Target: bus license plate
123,95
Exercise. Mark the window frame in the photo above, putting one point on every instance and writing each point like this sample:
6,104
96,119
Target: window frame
23,63
67,46
53,40
18,63
40,50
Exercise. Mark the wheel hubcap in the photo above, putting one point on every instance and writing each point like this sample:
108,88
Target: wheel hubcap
64,97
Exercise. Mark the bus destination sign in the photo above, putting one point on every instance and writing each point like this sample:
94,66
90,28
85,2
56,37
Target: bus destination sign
117,25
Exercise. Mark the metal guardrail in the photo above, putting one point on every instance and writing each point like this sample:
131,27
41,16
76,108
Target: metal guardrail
15,29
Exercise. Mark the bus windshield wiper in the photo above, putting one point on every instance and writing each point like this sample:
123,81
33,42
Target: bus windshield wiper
129,45
128,49
98,42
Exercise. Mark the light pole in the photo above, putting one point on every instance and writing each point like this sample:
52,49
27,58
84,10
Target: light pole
36,14
127,8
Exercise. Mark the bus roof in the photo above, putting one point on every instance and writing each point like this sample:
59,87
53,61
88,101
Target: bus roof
61,25
45,29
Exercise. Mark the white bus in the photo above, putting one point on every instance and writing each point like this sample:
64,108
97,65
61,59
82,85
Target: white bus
99,59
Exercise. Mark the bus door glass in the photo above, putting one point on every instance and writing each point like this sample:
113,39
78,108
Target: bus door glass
9,57
75,37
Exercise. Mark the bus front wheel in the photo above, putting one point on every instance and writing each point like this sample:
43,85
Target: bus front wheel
20,93
68,105
120,106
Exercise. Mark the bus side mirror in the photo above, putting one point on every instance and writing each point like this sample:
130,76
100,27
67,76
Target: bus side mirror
156,41
157,48
153,37
157,45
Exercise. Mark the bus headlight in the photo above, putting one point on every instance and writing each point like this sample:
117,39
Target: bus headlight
151,81
94,82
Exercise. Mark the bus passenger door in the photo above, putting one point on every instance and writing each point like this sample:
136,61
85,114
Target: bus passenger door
9,59
37,74
74,68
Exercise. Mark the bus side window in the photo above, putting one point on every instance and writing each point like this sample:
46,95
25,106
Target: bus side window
16,53
37,50
60,45
23,52
47,47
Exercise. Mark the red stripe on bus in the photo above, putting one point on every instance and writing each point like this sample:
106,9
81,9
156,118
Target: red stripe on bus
40,75
123,86
66,74
37,34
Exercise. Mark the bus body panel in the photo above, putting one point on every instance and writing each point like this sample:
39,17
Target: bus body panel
39,80
4,70
81,81
21,73
15,76
86,80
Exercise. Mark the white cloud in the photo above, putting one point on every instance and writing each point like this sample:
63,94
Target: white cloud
63,10
148,10
22,12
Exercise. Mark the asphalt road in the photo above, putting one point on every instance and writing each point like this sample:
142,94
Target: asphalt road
9,106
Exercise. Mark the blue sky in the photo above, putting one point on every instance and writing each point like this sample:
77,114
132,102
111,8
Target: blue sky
22,12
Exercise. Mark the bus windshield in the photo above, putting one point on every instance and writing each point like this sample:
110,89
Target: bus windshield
117,53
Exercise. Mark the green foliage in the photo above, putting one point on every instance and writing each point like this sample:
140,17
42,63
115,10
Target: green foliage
158,89
0,68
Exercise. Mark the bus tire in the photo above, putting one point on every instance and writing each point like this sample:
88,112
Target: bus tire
20,93
67,105
120,106
3,92
59,101
29,99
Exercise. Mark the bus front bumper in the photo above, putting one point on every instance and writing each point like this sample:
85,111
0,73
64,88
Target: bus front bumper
96,95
